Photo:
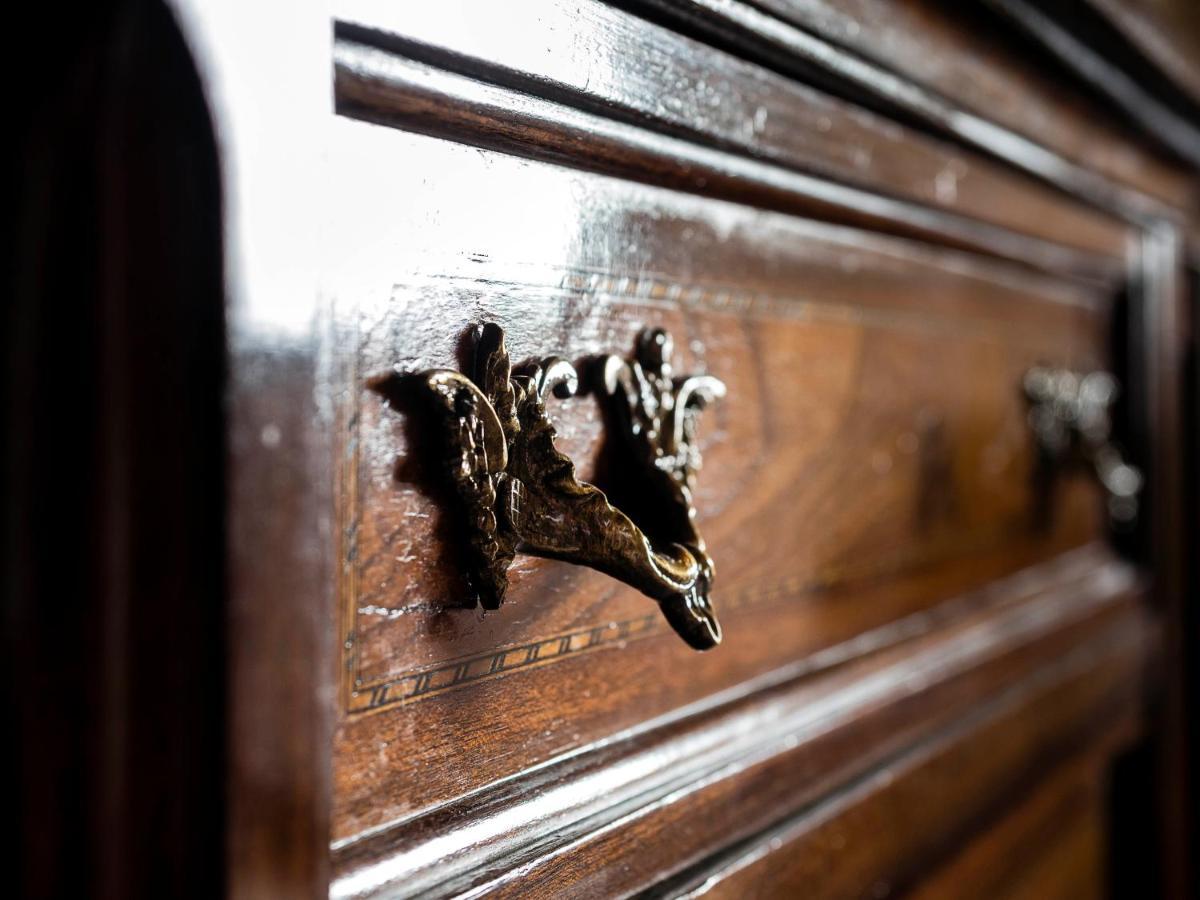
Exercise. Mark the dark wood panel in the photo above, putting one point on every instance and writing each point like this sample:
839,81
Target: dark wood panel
112,461
1166,31
825,337
928,60
989,697
1073,864
229,543
593,57
819,395
266,80
1052,843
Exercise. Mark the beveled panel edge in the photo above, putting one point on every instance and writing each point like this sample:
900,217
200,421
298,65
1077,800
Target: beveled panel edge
491,831
1009,847
1154,30
889,794
591,56
264,88
774,40
1158,119
384,88
1081,707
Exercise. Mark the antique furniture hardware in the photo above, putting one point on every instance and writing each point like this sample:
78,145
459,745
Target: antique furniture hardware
1069,416
520,494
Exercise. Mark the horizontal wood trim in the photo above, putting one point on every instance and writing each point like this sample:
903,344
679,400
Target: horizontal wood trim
593,57
380,86
711,773
919,62
1073,864
1157,118
493,216
879,835
1166,31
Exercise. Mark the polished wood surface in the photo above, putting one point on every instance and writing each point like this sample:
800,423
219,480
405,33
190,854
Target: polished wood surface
661,81
942,53
1064,32
824,336
876,839
381,86
942,674
279,555
1166,31
1057,648
1052,843
825,388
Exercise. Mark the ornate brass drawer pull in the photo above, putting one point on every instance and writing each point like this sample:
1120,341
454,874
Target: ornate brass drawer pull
1069,415
521,494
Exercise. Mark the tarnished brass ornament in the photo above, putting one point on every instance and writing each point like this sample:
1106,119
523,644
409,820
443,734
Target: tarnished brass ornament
520,494
1070,418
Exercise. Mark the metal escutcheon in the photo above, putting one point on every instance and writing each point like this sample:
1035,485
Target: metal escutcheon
1069,413
520,494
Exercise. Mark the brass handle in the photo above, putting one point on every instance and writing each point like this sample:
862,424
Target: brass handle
519,493
1069,415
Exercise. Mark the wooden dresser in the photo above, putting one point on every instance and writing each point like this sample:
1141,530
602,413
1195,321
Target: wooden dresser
658,447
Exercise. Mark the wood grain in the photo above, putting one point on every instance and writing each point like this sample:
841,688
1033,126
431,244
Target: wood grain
1050,844
380,86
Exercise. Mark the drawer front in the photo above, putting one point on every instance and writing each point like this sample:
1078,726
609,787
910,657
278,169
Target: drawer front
870,461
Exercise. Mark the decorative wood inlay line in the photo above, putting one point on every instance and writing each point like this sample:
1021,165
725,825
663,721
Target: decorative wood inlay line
463,671
427,682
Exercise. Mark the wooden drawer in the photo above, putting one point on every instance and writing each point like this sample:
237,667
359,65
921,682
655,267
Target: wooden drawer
870,461
887,560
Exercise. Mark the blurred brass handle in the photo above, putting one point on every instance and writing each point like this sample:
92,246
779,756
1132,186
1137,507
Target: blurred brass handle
519,493
1069,416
